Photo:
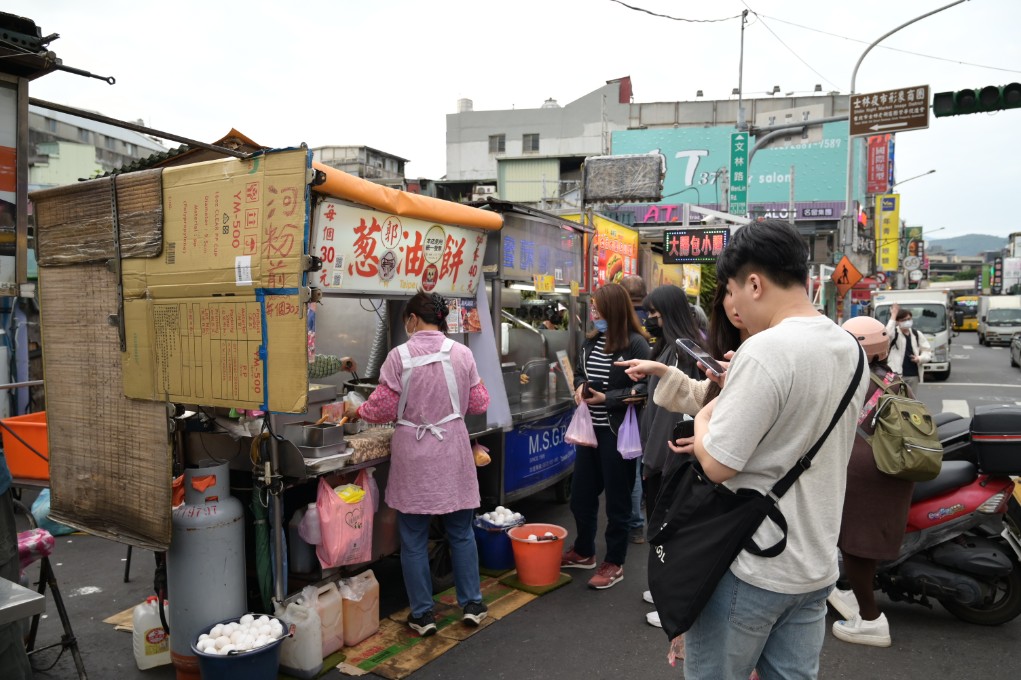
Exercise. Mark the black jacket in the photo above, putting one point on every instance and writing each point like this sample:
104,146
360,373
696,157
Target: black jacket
620,386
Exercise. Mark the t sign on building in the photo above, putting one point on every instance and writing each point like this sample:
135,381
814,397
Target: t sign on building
738,201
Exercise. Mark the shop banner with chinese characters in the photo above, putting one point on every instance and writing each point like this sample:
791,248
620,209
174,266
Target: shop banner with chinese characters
887,232
614,253
880,164
694,246
366,251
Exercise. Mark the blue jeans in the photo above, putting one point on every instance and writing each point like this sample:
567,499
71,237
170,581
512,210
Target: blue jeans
743,627
637,521
415,558
595,470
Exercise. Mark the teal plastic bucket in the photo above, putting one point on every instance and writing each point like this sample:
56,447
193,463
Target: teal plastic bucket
258,664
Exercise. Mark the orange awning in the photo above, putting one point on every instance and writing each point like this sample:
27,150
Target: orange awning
341,185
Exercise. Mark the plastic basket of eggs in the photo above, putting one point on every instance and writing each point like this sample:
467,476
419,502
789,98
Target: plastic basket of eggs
247,647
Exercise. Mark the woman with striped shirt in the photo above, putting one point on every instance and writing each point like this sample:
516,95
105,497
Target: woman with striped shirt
606,388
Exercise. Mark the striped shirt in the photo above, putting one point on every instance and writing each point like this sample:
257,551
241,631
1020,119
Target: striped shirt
597,370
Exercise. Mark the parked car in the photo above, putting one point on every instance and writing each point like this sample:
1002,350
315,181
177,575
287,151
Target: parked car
1015,350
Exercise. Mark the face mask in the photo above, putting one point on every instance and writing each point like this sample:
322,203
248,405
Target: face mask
906,325
408,331
600,325
653,328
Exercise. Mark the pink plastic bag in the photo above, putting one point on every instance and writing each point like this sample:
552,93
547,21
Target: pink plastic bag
629,440
34,544
580,432
346,527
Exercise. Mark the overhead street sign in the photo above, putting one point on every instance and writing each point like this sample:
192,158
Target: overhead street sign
738,200
899,110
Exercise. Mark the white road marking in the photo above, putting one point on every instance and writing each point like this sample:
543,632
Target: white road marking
967,346
960,356
958,406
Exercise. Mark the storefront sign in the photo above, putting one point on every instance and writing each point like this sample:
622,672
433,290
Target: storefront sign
365,251
536,451
691,246
614,253
996,282
887,232
544,283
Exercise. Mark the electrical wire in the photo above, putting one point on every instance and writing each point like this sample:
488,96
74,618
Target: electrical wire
667,16
789,48
887,47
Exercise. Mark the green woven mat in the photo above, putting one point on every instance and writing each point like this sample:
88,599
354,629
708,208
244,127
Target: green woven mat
513,581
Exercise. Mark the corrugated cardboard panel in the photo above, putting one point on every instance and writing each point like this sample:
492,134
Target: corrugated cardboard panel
229,351
110,462
231,226
75,223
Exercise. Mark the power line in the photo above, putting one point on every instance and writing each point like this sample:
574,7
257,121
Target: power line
667,16
885,47
811,68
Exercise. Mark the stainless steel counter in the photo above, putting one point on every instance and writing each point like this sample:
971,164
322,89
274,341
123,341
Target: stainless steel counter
18,602
534,408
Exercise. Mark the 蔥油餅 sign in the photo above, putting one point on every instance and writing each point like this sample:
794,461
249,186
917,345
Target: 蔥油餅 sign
367,251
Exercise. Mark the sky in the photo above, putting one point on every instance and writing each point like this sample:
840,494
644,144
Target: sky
385,73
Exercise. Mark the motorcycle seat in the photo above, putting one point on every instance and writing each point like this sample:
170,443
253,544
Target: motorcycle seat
953,475
946,417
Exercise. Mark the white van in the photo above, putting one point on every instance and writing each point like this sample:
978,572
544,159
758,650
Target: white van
999,318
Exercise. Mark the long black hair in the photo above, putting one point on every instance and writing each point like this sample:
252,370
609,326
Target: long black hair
723,335
675,315
431,308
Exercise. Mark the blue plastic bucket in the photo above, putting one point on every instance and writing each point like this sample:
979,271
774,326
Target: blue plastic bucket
495,550
258,664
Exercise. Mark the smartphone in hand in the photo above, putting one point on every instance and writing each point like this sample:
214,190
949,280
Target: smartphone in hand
702,356
586,391
683,429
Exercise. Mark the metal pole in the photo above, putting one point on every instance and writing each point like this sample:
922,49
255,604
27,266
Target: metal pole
740,76
790,208
846,231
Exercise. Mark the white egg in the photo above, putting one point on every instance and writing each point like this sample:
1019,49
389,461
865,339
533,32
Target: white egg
533,537
227,648
237,636
550,533
276,631
222,641
500,508
262,620
247,618
204,636
517,517
216,631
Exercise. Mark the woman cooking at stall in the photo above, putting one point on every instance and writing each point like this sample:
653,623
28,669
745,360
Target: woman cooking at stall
427,385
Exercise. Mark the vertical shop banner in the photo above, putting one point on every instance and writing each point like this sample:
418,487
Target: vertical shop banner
996,281
615,254
365,251
738,173
880,167
887,232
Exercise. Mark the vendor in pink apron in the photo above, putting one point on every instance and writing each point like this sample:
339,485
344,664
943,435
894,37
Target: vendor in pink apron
427,385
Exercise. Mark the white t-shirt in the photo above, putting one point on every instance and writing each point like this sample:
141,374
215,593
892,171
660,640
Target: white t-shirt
783,387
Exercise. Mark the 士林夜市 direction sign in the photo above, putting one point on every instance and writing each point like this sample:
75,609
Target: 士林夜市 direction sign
905,108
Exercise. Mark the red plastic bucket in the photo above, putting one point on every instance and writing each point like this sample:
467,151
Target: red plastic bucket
538,562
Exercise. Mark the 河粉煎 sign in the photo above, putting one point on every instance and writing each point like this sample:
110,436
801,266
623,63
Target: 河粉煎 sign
899,110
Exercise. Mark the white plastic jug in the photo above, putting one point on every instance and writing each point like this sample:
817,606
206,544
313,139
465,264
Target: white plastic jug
330,607
361,607
301,655
149,640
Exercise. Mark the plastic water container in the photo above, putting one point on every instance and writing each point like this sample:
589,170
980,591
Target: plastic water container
361,607
301,654
149,640
300,555
330,607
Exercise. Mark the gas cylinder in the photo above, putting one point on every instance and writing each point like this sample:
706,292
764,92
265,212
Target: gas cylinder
205,563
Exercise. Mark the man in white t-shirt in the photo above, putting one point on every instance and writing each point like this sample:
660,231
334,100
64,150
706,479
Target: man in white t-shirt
782,388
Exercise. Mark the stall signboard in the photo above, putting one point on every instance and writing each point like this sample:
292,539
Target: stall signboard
219,319
371,252
544,283
687,277
537,452
887,232
614,253
694,246
530,249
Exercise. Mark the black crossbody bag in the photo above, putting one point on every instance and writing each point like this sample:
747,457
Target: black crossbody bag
703,526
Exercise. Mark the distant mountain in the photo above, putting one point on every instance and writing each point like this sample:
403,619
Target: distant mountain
969,245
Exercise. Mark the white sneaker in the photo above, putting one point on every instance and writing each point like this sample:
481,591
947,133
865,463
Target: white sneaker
652,618
647,596
844,602
860,632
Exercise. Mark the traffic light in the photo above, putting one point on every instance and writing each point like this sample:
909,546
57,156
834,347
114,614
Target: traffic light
988,98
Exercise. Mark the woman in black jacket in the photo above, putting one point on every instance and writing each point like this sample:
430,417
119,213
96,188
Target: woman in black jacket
607,390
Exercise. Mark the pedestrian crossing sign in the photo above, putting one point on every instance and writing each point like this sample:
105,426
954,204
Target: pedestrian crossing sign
845,275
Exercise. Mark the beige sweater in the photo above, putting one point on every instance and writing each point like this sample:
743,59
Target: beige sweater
679,393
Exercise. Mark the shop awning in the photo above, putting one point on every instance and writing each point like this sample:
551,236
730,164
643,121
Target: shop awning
341,185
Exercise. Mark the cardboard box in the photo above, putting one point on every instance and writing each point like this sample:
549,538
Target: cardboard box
217,319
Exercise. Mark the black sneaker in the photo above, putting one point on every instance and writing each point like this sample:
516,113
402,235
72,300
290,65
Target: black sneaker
474,613
424,625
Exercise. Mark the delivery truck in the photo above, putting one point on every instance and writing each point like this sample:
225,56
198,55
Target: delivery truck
999,318
931,314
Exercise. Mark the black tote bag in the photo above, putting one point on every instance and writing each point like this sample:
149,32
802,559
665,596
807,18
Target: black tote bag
703,526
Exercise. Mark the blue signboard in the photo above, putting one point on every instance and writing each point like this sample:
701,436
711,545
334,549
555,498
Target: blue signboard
536,451
695,157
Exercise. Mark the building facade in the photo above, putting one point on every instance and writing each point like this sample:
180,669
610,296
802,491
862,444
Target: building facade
365,162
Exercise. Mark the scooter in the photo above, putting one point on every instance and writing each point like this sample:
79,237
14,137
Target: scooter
960,546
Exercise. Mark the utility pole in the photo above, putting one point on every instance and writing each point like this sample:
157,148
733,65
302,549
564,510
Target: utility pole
741,125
